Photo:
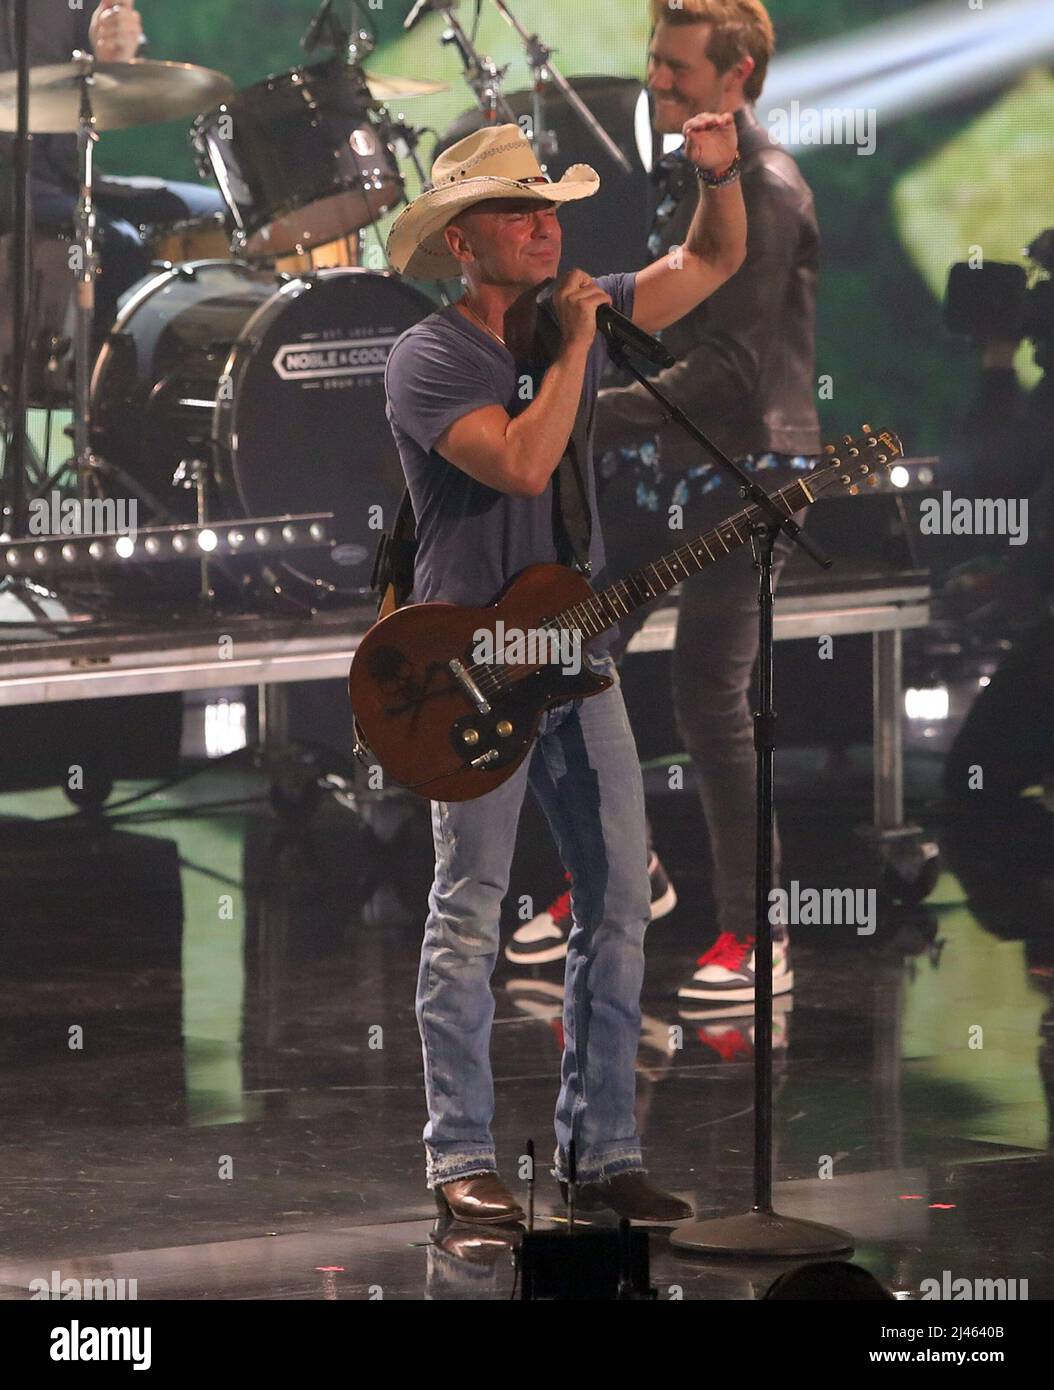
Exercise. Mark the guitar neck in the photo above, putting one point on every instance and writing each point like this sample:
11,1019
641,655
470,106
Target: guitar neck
650,582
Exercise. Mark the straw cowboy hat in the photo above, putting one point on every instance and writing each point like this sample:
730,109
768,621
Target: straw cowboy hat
496,162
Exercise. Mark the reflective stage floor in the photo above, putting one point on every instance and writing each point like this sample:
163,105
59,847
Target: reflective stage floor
212,1075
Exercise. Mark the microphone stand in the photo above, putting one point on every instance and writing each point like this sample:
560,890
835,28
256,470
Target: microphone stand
482,74
760,1231
539,56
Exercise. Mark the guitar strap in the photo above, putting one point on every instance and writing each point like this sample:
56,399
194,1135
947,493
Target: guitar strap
393,567
572,517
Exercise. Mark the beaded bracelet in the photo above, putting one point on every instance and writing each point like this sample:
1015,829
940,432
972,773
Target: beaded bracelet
731,174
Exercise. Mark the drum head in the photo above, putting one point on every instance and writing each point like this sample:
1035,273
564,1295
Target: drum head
307,428
301,160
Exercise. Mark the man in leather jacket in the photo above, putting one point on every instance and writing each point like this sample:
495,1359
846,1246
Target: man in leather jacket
746,374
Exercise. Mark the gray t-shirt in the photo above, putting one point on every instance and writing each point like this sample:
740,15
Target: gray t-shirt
472,540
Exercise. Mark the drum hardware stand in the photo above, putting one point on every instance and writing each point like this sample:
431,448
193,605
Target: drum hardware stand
539,56
17,440
86,273
482,74
411,138
326,27
99,466
20,588
761,1231
194,473
357,48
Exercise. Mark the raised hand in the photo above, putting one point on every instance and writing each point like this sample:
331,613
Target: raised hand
711,142
116,31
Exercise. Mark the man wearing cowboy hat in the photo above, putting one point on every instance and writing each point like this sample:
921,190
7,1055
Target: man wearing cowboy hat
485,440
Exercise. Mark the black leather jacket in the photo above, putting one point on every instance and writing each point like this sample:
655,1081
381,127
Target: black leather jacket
746,369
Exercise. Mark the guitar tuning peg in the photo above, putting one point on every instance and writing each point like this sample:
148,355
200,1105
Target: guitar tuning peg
874,480
866,429
854,491
830,449
847,439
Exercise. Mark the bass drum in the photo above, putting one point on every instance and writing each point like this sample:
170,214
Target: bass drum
278,383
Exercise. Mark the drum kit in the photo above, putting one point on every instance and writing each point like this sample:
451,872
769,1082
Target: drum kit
245,376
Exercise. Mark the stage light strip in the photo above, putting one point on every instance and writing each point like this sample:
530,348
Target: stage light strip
165,544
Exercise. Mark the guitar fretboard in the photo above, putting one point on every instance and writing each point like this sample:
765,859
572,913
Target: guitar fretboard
611,605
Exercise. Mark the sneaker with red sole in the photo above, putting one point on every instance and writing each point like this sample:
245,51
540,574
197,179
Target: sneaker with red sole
726,972
544,937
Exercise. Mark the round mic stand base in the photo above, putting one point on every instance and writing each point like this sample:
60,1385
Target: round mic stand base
761,1235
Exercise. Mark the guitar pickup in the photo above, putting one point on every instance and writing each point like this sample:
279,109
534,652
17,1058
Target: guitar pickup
470,687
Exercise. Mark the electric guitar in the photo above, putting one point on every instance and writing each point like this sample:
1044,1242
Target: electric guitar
450,706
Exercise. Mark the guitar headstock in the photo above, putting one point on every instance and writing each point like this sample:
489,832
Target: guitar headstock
857,461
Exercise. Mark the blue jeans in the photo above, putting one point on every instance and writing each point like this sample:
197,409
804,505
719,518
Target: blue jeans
122,205
585,772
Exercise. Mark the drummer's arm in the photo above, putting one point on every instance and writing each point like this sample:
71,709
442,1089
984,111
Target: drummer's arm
116,31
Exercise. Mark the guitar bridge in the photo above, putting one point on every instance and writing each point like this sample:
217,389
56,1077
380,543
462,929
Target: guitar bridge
469,686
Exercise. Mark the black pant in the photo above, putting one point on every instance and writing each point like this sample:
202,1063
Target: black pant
714,656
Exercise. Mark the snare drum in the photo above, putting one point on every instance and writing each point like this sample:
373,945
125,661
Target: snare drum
192,239
300,159
345,253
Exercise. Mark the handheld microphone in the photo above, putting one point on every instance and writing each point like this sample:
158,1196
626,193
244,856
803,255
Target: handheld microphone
622,332
617,328
422,8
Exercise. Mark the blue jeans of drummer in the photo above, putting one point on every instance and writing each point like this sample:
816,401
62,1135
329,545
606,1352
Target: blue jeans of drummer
585,773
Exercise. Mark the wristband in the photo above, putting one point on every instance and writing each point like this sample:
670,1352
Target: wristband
711,180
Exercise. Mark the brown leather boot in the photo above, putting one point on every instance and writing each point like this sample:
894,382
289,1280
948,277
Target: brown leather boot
481,1199
632,1196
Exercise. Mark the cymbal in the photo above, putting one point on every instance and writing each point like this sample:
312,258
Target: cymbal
384,88
140,92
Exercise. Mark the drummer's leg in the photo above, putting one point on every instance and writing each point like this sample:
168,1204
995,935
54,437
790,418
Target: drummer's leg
197,199
53,207
124,258
152,202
